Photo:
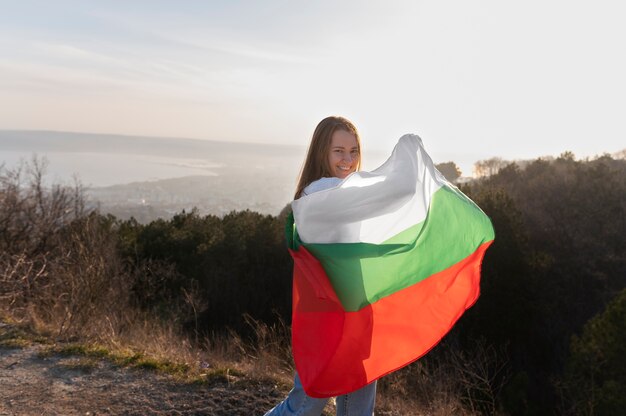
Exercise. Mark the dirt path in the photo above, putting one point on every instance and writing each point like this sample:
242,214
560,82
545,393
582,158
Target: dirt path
31,384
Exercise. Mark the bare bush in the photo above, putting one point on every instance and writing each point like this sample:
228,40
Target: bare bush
271,347
481,372
90,280
31,214
427,386
58,262
449,380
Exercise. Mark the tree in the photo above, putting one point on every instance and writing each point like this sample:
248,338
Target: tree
450,170
235,266
489,167
574,262
595,377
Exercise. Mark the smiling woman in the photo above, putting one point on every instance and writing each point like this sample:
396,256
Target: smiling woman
369,256
335,151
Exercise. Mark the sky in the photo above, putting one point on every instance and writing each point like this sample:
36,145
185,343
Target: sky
477,79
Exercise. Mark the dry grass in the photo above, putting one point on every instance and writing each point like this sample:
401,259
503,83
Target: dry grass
14,335
150,345
425,387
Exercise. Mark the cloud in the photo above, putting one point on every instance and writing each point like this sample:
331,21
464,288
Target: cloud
72,52
197,36
247,50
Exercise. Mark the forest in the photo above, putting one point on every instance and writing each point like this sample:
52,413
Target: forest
547,335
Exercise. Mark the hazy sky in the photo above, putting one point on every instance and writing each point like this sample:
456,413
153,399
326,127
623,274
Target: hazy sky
475,79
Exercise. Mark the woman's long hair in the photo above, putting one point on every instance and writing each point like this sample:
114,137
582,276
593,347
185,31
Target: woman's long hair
316,163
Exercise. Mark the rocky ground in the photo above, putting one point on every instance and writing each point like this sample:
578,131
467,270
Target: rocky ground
32,383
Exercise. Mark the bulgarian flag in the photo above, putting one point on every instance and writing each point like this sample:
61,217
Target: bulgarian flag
384,265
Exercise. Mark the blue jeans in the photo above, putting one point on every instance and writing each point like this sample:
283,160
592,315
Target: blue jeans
298,403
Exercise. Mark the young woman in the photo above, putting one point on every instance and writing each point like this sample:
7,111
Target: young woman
334,153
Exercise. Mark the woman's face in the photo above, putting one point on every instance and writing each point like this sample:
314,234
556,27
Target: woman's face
343,156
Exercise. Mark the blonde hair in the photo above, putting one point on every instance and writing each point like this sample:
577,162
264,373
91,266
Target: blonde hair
316,163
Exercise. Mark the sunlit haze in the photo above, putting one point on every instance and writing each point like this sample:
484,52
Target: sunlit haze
473,79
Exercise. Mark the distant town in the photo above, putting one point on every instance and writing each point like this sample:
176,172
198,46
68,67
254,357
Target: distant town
217,195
